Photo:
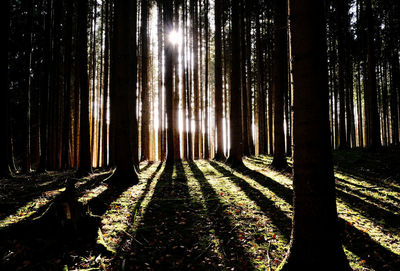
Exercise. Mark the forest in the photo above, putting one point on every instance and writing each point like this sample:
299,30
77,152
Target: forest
200,135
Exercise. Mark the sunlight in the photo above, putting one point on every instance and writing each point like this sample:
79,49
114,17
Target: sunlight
175,37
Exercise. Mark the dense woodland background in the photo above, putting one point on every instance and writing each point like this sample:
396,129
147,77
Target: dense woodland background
101,86
48,97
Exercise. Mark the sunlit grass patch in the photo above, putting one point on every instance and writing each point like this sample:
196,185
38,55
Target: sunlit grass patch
257,234
376,194
123,215
30,208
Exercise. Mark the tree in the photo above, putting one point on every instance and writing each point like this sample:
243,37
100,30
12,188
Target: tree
168,80
236,150
145,83
125,59
4,137
279,81
340,17
85,165
315,238
219,155
262,144
374,140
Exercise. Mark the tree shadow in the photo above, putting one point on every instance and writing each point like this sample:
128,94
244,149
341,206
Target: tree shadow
63,226
369,210
33,187
355,240
169,236
222,225
277,217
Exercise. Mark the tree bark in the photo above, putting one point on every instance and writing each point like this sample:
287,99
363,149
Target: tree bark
4,136
279,81
219,155
145,143
315,238
125,84
373,120
236,148
85,165
168,77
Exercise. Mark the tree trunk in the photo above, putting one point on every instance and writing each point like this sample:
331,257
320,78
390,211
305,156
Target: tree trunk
373,120
340,19
4,169
236,148
279,81
124,85
219,155
260,92
67,87
245,110
315,238
106,83
206,90
249,80
194,16
85,165
145,143
168,77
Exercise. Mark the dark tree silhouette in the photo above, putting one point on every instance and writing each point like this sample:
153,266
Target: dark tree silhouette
315,238
236,148
125,58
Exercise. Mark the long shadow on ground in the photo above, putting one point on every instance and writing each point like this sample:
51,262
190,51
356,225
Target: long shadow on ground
53,237
278,218
173,234
166,236
356,241
234,254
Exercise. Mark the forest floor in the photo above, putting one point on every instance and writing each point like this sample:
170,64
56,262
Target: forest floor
199,215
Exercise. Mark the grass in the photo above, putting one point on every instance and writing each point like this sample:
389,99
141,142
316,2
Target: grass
203,215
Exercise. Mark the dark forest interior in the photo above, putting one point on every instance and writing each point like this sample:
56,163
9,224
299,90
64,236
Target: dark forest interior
200,135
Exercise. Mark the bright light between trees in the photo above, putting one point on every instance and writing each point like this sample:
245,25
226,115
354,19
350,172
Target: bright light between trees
175,37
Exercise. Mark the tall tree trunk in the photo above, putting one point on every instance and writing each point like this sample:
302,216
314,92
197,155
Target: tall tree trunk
85,165
373,120
245,111
176,94
249,80
168,77
206,90
315,238
260,92
145,143
194,16
279,81
124,85
67,87
161,132
340,19
236,148
219,155
4,135
106,83
185,84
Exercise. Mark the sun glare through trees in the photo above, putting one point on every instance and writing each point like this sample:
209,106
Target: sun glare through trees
200,135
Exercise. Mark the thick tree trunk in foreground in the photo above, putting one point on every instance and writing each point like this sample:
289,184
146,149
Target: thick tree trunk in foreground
219,155
315,241
125,58
236,148
279,81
